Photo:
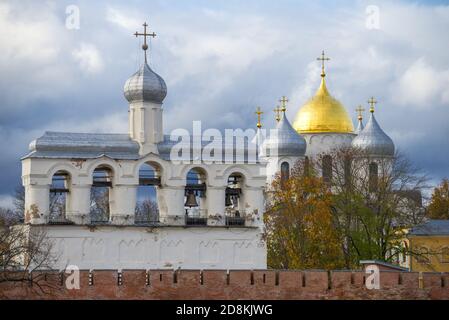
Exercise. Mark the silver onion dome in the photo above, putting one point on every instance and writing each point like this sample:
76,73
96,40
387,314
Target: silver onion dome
145,85
284,141
373,140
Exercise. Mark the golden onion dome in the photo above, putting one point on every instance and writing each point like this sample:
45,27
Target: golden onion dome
323,113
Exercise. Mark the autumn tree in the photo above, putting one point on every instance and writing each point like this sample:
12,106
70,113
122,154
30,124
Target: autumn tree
374,200
299,227
439,203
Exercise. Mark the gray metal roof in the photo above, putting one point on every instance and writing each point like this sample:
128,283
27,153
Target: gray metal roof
373,140
431,228
145,85
83,146
231,152
285,141
360,127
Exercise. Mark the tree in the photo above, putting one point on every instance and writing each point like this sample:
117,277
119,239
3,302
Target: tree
24,251
374,201
439,204
146,211
299,228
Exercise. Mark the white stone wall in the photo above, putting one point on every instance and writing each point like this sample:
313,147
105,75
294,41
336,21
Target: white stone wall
37,177
318,143
112,247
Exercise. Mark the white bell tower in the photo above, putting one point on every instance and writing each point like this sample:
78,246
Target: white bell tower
145,92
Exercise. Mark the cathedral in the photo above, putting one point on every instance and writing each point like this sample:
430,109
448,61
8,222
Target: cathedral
150,200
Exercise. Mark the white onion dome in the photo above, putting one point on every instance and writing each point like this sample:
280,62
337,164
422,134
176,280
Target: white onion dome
145,85
373,140
284,141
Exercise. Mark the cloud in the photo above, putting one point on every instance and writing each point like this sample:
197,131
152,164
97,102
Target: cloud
220,60
89,58
127,20
422,86
6,201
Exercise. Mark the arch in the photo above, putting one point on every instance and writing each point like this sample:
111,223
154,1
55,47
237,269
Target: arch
67,167
152,160
235,193
201,168
59,195
103,162
235,169
147,208
285,171
101,196
195,203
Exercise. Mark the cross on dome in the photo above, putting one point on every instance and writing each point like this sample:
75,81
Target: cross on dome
372,102
359,111
259,113
277,111
283,102
145,35
322,59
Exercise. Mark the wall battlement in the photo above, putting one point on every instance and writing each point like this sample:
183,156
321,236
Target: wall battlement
235,284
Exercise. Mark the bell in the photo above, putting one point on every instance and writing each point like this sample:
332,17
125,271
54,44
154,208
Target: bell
191,200
228,201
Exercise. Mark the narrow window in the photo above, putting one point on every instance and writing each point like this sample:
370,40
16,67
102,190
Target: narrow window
373,176
327,168
285,171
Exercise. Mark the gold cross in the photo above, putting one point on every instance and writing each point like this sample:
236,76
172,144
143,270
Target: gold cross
372,103
283,102
277,111
145,35
359,111
259,113
322,59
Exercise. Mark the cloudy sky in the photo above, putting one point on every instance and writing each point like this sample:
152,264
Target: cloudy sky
220,59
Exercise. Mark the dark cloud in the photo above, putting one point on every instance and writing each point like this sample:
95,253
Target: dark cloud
220,60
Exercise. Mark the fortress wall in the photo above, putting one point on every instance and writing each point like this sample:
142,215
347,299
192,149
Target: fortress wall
235,284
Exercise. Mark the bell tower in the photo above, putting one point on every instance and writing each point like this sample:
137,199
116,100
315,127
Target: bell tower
145,92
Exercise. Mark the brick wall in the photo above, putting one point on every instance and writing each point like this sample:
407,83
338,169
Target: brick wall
217,284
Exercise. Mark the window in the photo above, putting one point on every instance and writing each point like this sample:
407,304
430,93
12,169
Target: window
195,204
327,168
285,171
100,195
373,177
147,210
234,200
59,194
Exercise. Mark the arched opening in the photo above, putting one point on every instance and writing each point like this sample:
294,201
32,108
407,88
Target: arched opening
327,168
195,197
234,200
100,194
147,210
59,196
373,177
285,172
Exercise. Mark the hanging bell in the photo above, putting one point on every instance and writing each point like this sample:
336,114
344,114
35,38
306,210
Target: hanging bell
228,201
191,200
